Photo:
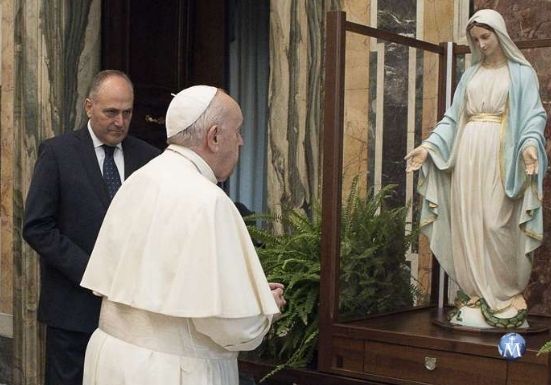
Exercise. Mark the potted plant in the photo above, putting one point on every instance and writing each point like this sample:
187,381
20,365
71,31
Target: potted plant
374,275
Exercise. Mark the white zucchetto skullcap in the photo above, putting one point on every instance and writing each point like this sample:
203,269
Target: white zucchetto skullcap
186,107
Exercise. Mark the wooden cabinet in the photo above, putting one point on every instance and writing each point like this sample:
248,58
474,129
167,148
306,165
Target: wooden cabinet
407,348
528,373
432,366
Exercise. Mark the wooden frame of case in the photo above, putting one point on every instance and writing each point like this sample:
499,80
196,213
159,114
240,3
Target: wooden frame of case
403,347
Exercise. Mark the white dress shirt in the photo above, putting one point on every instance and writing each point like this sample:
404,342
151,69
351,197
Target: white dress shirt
100,153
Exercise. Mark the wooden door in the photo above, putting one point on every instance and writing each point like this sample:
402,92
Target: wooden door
164,46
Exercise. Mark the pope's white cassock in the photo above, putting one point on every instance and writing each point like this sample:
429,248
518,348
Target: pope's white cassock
183,290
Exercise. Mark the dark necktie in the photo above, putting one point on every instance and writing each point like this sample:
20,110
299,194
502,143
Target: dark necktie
110,171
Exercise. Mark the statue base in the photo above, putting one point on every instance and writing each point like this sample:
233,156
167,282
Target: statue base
473,317
477,324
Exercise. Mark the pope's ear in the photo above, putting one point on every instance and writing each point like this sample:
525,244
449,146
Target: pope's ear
212,138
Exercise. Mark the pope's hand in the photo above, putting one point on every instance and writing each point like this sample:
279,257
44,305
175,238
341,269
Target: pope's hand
277,292
530,157
416,158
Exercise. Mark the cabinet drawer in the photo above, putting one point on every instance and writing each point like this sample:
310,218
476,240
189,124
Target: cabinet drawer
527,373
348,354
432,366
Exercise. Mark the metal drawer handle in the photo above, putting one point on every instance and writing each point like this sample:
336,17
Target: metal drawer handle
430,363
159,120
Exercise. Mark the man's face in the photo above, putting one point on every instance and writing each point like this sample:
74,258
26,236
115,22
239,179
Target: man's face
229,137
110,110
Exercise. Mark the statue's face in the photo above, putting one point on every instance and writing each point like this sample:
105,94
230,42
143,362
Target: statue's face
486,41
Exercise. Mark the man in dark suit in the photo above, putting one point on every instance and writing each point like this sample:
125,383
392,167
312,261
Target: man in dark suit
75,177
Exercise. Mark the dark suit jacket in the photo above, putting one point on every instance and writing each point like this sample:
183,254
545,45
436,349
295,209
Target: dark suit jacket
65,207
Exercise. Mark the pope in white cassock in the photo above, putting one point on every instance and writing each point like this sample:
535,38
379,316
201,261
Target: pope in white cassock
183,289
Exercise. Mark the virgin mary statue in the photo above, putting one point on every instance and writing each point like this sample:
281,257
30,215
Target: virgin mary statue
481,179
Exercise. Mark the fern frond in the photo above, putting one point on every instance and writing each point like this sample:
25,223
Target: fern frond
373,274
546,348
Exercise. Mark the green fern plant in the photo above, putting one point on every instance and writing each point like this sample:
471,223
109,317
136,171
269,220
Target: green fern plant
374,277
292,258
546,348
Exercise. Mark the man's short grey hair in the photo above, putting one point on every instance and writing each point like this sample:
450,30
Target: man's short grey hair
194,134
102,76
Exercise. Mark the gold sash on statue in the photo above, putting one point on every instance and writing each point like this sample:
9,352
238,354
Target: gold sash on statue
484,117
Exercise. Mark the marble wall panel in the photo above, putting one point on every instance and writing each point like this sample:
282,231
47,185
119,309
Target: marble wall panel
6,352
6,151
356,111
89,62
357,11
21,137
525,19
43,75
286,98
295,100
436,27
390,91
356,102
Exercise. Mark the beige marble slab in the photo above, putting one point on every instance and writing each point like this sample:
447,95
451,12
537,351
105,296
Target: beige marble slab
38,100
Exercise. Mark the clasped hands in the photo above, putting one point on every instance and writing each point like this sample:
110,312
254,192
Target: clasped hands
416,157
277,292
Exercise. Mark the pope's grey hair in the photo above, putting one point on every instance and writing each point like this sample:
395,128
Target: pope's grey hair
193,135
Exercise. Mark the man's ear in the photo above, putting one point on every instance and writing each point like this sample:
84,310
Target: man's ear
87,106
212,138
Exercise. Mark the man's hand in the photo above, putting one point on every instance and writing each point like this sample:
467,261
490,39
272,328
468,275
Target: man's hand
530,157
277,292
416,158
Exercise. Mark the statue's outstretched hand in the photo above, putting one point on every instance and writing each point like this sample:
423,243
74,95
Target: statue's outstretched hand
416,158
530,157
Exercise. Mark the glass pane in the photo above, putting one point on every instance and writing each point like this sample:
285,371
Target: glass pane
538,58
390,105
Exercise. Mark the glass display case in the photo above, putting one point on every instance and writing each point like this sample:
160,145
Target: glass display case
382,292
